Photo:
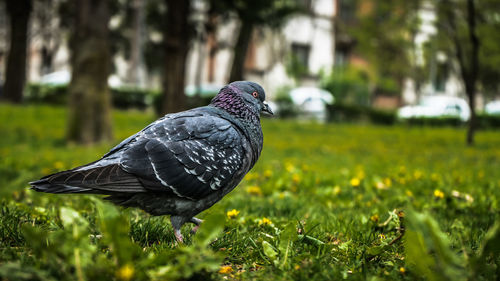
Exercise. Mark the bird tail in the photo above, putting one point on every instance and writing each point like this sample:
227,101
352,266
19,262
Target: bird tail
89,179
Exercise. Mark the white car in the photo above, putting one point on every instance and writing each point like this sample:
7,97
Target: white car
312,102
493,107
63,77
437,106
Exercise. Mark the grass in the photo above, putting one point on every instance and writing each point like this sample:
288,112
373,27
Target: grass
324,202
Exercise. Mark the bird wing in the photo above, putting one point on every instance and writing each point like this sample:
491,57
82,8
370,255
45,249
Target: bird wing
191,154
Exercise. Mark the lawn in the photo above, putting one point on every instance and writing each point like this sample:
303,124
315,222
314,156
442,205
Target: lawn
324,202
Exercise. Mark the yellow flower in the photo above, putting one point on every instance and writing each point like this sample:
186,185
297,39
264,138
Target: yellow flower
296,267
388,182
268,173
402,270
381,236
254,190
265,221
380,185
59,165
409,193
232,214
336,190
225,269
289,167
374,218
361,174
355,182
402,169
125,272
417,174
295,178
438,193
251,176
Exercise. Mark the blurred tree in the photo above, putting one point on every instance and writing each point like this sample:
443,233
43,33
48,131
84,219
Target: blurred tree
177,34
488,30
44,26
90,100
15,74
255,13
384,34
458,36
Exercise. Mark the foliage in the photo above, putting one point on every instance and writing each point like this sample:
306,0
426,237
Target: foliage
123,98
285,103
348,85
340,112
384,32
324,202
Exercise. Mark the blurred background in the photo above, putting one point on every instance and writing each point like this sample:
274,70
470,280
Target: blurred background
419,61
376,102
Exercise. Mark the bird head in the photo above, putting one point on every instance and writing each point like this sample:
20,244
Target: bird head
252,94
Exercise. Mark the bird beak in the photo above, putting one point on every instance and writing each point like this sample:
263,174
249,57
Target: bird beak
267,109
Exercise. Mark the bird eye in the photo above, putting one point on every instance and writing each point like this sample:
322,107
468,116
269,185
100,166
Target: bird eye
255,94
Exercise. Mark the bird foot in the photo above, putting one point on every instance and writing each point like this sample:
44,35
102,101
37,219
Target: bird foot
178,236
194,229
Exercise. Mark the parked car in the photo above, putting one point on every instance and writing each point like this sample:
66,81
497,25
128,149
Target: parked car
311,102
493,108
63,77
437,106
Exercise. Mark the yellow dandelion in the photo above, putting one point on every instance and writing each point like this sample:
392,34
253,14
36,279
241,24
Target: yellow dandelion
388,182
251,176
225,269
380,185
268,173
402,169
296,178
361,174
296,267
402,270
336,190
438,193
355,182
265,221
59,165
289,167
409,193
232,214
417,174
125,272
374,218
254,190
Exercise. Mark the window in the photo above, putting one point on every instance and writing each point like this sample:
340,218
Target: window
300,53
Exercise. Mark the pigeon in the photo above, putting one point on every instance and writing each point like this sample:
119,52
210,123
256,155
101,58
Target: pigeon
179,165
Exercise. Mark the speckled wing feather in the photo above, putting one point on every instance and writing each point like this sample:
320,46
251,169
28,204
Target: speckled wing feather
190,154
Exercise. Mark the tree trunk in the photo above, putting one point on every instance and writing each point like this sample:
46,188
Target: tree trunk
90,100
470,81
15,73
240,51
176,37
135,74
211,28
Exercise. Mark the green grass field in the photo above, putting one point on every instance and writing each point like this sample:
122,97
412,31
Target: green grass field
324,202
